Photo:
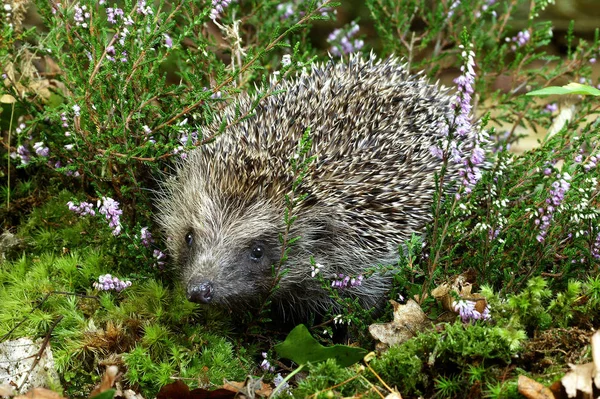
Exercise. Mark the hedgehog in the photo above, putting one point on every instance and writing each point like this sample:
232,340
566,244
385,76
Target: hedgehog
369,187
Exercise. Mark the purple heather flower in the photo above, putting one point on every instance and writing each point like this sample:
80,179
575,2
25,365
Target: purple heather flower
591,163
287,9
218,7
453,6
522,38
493,234
159,256
466,310
557,195
123,35
191,139
83,209
592,60
23,153
344,282
63,118
107,283
110,53
146,237
76,109
487,5
466,148
168,41
465,89
278,380
596,247
81,14
110,209
143,8
436,151
265,365
341,40
40,149
553,107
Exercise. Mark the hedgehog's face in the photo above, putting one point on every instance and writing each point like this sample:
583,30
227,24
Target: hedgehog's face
227,252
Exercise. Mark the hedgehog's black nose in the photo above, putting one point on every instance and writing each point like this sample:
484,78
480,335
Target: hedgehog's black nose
200,291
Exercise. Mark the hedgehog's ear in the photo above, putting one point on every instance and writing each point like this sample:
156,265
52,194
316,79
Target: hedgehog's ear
326,229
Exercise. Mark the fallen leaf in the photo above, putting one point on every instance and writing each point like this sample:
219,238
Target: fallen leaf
249,388
532,389
584,379
180,390
408,320
7,99
6,390
394,395
130,394
579,379
40,393
108,380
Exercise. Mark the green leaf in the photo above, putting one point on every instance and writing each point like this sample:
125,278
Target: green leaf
301,347
571,88
108,394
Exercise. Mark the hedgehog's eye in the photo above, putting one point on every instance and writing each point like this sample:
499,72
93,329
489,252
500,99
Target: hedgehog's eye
189,238
257,252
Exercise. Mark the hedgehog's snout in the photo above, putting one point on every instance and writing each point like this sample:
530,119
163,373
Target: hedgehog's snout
200,291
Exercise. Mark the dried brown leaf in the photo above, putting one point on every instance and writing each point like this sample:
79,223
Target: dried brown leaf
532,389
108,380
408,320
40,393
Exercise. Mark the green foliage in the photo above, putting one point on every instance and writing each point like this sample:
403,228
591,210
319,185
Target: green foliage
324,376
453,359
206,356
571,88
300,347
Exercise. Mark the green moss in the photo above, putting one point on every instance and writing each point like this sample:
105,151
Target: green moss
152,325
324,376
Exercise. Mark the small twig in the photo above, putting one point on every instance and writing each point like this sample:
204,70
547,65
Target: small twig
38,355
76,294
12,115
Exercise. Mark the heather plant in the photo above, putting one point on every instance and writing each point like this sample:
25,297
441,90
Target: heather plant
102,100
552,191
